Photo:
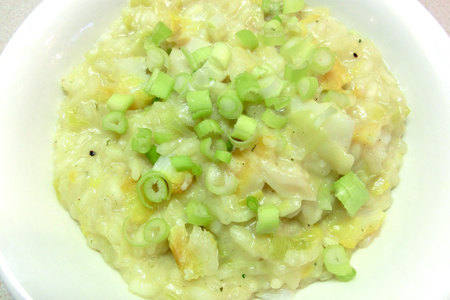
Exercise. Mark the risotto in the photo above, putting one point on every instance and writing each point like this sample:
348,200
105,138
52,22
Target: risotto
229,149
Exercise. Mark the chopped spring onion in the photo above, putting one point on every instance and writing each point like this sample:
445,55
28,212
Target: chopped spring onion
248,39
347,277
229,146
351,192
156,230
216,27
298,50
215,72
119,102
294,74
201,80
152,155
243,144
252,203
273,120
271,101
336,261
142,141
207,128
153,186
283,102
307,87
197,213
157,58
217,144
259,72
277,17
265,5
244,128
115,121
133,241
270,7
199,104
247,88
197,170
182,163
162,137
160,33
339,98
268,219
223,156
273,34
322,62
189,58
219,183
201,55
271,86
182,81
220,55
293,6
229,105
160,85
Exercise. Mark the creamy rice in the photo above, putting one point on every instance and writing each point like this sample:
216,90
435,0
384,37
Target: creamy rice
96,170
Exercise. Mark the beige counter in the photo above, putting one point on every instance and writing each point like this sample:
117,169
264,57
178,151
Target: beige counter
14,12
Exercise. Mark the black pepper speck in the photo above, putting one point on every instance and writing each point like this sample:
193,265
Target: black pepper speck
92,153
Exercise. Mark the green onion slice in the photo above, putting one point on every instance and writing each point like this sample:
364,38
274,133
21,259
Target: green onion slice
283,102
271,119
160,85
152,155
207,128
162,137
153,186
322,62
268,219
307,87
294,74
199,104
156,230
336,261
223,156
160,33
248,39
200,56
252,203
352,192
247,88
293,6
217,144
197,213
271,86
244,128
142,141
339,98
119,102
134,241
182,81
220,55
115,121
182,163
229,105
157,58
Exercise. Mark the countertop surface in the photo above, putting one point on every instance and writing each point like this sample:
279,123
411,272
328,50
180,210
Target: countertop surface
14,12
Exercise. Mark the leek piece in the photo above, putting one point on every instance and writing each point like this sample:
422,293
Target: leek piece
157,58
133,242
156,230
160,85
223,156
248,39
119,102
162,137
142,140
159,34
283,102
273,34
252,203
152,155
339,98
189,58
197,170
298,50
336,261
182,163
271,86
243,144
115,121
271,101
219,183
258,72
229,105
322,62
201,55
182,81
216,27
268,219
197,213
352,192
199,104
153,186
244,128
247,88
220,55
273,120
294,74
293,6
347,277
307,87
207,128
217,145
325,198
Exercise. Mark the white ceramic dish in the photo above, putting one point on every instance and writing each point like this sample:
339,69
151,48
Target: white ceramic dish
43,254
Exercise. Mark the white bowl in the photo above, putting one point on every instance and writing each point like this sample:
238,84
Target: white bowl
43,254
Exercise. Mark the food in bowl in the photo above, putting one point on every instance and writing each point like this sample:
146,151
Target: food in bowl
217,150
